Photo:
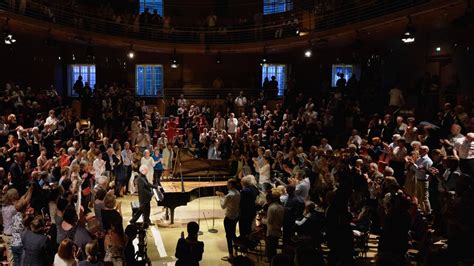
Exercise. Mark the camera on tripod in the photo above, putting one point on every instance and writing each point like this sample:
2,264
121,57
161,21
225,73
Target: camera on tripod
141,255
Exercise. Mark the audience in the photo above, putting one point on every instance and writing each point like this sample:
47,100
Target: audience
296,176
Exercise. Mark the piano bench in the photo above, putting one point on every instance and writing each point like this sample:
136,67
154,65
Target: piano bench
135,206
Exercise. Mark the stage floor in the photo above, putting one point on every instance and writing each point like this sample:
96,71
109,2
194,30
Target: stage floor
162,239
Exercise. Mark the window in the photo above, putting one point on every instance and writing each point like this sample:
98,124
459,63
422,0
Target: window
149,80
338,69
87,72
276,6
277,70
152,5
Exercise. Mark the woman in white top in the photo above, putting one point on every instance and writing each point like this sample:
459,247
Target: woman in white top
264,170
98,165
150,163
66,255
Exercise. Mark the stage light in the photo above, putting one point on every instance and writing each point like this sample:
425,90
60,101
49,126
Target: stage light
409,33
308,53
131,52
218,58
8,35
174,63
9,39
73,57
438,49
174,60
59,58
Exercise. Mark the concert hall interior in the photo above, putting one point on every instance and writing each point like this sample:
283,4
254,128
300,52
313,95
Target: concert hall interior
237,132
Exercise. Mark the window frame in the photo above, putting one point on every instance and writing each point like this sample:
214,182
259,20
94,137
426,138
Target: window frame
86,77
271,7
347,74
156,92
281,82
142,4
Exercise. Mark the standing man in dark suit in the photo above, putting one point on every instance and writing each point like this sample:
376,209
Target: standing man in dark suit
19,180
145,194
111,160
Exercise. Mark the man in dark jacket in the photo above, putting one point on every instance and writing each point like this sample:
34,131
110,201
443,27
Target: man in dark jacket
19,180
145,194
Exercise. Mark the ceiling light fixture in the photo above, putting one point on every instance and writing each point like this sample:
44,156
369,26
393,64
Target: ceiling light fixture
409,33
131,52
174,60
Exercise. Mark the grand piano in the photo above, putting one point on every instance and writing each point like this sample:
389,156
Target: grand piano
175,196
200,178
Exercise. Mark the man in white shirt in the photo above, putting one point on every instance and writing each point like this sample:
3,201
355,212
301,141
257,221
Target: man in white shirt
355,139
302,186
182,102
231,203
464,149
51,121
240,103
422,168
232,124
396,97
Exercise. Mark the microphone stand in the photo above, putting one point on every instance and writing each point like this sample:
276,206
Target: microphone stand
213,230
199,205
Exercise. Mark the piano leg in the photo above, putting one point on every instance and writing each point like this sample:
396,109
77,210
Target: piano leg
170,212
172,215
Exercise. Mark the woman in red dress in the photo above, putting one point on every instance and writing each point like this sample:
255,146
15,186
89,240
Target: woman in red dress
171,127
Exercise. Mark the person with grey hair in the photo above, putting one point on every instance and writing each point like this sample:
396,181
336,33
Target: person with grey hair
248,209
422,168
145,193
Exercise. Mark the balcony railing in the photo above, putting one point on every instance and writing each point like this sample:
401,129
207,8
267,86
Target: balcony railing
270,30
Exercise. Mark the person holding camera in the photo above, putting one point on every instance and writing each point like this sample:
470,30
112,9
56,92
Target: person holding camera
189,250
145,194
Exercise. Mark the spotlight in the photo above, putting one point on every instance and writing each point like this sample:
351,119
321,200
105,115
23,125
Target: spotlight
59,58
438,49
308,53
297,32
174,60
131,53
8,35
174,63
263,61
409,34
73,57
9,39
218,58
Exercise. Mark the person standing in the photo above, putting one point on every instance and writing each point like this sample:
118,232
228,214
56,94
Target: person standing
189,250
167,160
145,194
158,168
421,168
150,163
232,124
248,209
274,221
127,156
230,202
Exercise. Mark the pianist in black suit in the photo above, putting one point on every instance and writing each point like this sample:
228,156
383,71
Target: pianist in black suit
145,193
